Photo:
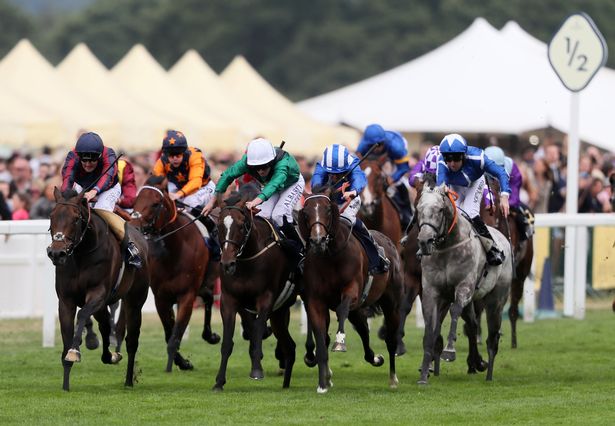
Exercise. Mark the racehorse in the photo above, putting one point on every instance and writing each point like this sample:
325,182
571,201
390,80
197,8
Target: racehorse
91,274
455,273
178,258
255,274
523,251
335,277
379,213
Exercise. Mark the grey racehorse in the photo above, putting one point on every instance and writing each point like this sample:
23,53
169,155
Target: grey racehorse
455,273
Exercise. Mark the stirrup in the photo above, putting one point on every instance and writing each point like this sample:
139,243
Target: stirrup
133,255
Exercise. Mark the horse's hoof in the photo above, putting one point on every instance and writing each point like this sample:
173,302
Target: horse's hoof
378,361
73,355
91,341
482,366
394,382
185,365
422,382
448,355
212,338
106,358
257,375
320,390
217,388
401,350
116,357
310,361
338,347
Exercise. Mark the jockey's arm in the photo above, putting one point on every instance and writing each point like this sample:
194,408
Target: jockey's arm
195,176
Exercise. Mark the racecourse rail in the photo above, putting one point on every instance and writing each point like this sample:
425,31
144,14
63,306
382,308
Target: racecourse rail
27,286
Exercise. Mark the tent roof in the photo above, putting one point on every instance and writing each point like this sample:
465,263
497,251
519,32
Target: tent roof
26,71
142,126
304,134
203,86
480,81
147,81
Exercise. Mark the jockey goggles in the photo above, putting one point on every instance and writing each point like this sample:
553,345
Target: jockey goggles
454,156
89,157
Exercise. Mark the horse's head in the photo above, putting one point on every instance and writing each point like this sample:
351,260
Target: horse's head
374,191
436,217
234,227
318,219
69,220
427,180
153,208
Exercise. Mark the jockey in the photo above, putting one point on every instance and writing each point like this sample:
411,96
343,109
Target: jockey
339,166
126,177
429,164
395,146
84,167
282,186
462,167
524,215
189,182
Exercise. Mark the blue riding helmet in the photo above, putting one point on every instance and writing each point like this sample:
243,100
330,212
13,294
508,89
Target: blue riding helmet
453,144
89,144
174,142
374,133
336,159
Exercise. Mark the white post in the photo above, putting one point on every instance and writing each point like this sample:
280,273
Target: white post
572,195
529,300
50,301
581,273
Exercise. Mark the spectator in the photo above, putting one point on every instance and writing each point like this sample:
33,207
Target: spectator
22,175
556,199
588,198
543,177
140,172
41,209
5,211
21,206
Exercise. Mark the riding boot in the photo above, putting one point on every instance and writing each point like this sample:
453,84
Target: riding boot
293,244
378,262
401,199
495,256
213,242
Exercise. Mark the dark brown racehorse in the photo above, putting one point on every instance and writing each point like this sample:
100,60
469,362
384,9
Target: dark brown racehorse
379,213
255,278
335,277
523,251
91,274
178,258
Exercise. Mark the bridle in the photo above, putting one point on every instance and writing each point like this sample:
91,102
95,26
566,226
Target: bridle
327,227
248,224
71,243
149,228
440,229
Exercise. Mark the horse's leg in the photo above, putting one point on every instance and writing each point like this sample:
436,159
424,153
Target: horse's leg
285,347
318,316
120,334
442,310
112,309
256,346
392,319
207,294
474,360
184,312
104,326
430,314
228,310
342,313
449,354
309,358
516,292
66,314
132,310
94,302
167,318
405,308
494,323
91,339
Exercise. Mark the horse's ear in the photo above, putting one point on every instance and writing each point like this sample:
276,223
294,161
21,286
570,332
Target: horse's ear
57,194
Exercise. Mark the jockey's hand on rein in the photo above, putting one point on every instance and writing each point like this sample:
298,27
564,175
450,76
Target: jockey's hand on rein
504,204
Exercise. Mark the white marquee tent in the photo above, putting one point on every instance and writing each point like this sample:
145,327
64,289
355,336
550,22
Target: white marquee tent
483,80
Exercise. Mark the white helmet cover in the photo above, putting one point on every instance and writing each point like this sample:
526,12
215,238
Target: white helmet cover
260,151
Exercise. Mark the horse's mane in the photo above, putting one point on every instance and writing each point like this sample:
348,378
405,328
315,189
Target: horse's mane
154,180
321,189
69,193
429,179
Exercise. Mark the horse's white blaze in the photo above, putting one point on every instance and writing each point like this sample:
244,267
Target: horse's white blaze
228,221
318,231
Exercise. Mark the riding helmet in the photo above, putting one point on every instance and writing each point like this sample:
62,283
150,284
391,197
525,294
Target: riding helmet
260,152
174,142
496,154
90,144
453,144
374,133
336,159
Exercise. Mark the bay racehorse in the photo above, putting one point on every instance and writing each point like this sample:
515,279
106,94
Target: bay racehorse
523,252
336,278
255,277
91,274
456,273
379,213
178,258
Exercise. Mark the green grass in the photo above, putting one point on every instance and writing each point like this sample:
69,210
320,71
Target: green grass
562,373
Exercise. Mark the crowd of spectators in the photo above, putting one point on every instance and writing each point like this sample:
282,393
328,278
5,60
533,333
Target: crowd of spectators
27,180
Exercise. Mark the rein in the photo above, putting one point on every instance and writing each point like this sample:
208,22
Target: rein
329,237
59,236
136,214
248,231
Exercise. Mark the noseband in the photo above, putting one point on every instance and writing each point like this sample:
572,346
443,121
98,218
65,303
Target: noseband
247,228
71,243
441,235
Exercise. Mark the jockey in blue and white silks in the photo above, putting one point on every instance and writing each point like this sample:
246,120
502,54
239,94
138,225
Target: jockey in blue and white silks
462,167
395,146
332,169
